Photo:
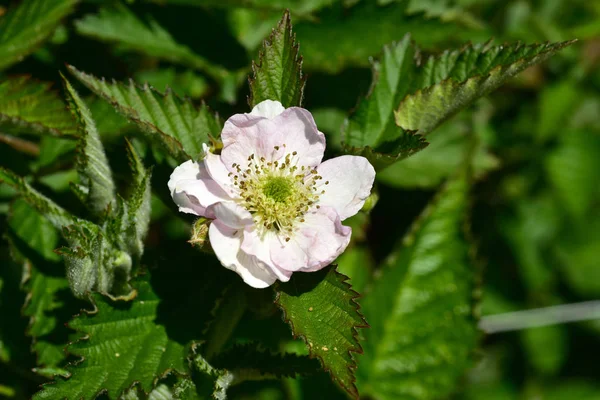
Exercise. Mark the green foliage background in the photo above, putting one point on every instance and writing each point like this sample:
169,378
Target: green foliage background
488,186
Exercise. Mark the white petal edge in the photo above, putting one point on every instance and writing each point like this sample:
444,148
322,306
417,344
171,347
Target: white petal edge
350,182
268,109
226,243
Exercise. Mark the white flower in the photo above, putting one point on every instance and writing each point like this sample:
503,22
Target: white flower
276,209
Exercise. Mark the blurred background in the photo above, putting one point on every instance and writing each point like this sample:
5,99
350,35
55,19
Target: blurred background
536,203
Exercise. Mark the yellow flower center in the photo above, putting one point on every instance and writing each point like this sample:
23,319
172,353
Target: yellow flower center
279,193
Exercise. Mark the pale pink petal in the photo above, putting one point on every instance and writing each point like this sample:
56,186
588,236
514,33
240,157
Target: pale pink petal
231,214
350,181
245,135
294,130
300,134
315,244
217,171
259,246
226,244
193,190
268,109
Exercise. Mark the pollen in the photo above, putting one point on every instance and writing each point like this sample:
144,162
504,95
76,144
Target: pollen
276,194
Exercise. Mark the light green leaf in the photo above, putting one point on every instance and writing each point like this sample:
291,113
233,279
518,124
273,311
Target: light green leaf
278,73
92,164
372,126
453,80
121,26
443,9
28,106
356,263
421,341
546,348
27,25
119,344
321,308
174,124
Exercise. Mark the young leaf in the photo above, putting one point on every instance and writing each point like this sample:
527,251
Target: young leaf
372,126
171,122
453,80
28,106
92,164
27,25
420,342
278,73
321,308
137,207
119,25
119,344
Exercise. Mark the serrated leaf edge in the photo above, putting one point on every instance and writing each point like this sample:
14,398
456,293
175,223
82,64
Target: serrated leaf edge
352,390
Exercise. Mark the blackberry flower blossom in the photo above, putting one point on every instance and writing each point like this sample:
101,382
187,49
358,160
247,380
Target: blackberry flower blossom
275,207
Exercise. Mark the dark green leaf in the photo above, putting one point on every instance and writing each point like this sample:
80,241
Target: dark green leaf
421,341
321,308
92,164
119,344
173,123
453,80
278,73
27,106
27,25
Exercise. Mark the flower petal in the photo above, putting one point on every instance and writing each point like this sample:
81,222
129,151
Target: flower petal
259,247
268,109
246,134
350,181
301,135
226,244
193,190
316,243
217,171
231,214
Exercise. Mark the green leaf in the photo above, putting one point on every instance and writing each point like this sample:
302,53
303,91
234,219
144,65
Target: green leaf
421,341
546,348
321,308
52,211
174,124
28,106
119,25
186,83
372,129
27,25
92,164
296,6
119,344
137,206
278,73
453,80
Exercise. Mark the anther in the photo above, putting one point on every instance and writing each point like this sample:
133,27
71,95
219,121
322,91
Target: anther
276,147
